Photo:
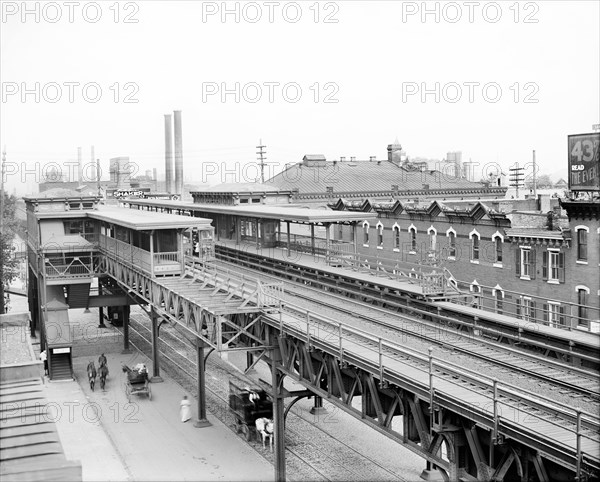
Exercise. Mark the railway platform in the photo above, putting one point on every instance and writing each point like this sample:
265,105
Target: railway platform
145,439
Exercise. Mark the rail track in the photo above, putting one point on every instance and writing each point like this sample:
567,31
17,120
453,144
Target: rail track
522,368
313,454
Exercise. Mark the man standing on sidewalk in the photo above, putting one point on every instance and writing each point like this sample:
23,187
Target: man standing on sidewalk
44,358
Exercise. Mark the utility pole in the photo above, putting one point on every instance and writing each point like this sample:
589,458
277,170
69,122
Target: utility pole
534,179
2,307
516,177
261,160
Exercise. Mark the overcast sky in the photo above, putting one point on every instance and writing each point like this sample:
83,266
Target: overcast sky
344,78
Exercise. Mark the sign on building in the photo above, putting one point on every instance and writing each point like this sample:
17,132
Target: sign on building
584,162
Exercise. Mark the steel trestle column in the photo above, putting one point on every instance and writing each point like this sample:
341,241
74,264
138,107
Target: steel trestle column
154,319
126,349
278,416
202,420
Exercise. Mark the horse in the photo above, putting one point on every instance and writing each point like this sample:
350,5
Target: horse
264,426
103,374
102,360
91,371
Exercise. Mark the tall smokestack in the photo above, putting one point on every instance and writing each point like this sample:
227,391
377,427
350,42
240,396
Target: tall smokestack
79,169
178,154
155,179
93,158
168,155
98,175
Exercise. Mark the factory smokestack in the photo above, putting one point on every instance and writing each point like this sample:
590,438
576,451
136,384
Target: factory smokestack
93,165
178,154
168,155
79,168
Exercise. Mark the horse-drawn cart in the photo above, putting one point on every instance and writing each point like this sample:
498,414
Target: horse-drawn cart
137,381
248,405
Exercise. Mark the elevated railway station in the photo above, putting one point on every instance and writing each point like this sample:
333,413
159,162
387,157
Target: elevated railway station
168,257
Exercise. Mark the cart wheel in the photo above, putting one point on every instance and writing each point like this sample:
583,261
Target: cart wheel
246,432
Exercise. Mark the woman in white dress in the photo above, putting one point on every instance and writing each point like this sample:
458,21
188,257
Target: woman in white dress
186,409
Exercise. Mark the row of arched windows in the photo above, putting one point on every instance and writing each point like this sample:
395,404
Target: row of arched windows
474,236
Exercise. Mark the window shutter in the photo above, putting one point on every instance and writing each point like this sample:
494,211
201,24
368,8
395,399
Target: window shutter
545,308
561,318
518,262
545,265
561,267
518,307
532,264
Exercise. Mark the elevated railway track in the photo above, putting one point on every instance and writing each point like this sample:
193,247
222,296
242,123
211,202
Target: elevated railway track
578,349
312,452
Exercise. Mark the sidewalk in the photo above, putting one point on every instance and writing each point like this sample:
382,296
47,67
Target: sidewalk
145,439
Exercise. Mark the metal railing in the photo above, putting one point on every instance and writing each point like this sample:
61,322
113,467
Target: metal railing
325,333
550,312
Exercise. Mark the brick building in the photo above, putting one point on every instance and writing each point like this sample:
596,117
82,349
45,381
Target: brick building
539,266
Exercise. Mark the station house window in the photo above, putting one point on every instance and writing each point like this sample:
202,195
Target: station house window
366,234
380,236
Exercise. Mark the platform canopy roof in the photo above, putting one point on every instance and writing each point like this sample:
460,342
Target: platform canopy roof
144,220
281,212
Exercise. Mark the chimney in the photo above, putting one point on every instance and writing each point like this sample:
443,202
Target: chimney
93,163
178,154
79,166
98,176
342,158
168,155
389,150
352,159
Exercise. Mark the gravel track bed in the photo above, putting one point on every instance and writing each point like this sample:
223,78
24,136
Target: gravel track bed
312,454
530,385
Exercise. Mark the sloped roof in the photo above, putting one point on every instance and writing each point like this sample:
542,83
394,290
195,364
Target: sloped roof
364,176
58,192
241,187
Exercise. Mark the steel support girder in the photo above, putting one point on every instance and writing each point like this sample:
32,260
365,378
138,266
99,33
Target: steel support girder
176,309
322,374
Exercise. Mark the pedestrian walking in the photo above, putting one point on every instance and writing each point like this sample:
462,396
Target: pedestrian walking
185,409
44,358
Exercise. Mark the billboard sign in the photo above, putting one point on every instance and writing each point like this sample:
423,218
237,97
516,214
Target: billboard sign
584,162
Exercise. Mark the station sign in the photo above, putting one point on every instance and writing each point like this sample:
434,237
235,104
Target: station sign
163,196
130,193
584,162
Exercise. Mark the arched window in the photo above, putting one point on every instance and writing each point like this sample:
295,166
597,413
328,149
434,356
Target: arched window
432,232
475,238
451,234
583,293
366,233
413,238
379,236
396,231
498,298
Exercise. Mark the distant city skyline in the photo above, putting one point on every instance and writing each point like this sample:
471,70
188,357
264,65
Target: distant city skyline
495,81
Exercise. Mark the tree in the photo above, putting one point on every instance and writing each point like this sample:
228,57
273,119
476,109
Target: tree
8,260
542,181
